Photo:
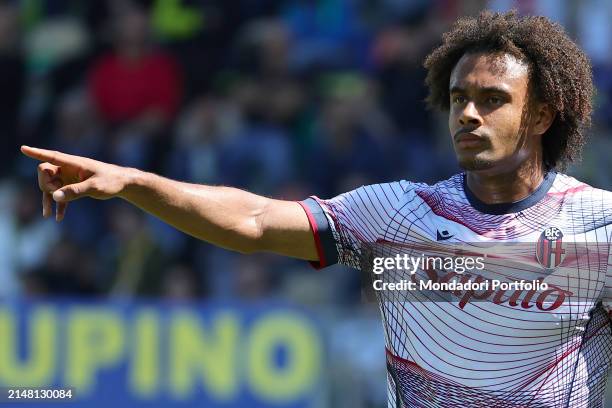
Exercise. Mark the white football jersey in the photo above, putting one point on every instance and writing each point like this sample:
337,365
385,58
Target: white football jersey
530,351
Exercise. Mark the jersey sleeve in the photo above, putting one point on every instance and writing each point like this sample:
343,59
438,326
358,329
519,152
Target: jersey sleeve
607,297
342,224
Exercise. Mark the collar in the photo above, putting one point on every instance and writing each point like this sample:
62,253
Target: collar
507,208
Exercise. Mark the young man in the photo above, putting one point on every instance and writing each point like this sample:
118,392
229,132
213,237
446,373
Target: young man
519,94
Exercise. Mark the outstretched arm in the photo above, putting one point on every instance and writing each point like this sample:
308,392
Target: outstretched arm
224,216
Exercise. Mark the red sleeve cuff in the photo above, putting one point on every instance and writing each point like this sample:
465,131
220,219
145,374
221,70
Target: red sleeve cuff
314,227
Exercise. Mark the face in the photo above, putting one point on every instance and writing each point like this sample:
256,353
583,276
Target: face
488,123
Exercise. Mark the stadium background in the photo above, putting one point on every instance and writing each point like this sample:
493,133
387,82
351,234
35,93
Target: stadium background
283,98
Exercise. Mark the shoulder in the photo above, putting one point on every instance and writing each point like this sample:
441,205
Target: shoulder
574,190
399,196
449,187
585,205
389,193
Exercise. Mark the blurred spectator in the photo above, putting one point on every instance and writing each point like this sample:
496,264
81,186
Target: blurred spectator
68,270
135,83
133,263
136,89
180,282
79,132
264,49
12,83
260,157
254,278
56,41
57,49
25,237
350,123
201,131
398,52
328,34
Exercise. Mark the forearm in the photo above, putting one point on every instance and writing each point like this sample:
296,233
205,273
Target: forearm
224,216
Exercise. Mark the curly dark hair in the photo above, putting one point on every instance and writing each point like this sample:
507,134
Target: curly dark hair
559,73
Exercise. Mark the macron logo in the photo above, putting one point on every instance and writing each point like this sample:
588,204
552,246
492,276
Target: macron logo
444,235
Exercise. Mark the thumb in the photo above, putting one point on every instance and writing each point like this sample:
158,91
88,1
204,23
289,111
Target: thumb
72,191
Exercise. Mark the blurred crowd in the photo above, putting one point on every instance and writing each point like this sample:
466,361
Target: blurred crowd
282,98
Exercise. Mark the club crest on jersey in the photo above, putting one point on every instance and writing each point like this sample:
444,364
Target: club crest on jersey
549,249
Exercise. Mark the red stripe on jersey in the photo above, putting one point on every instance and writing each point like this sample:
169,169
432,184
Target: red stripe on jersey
317,238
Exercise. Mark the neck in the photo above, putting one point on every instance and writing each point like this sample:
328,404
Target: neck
506,187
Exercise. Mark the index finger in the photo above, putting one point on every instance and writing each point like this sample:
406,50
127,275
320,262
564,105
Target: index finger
51,156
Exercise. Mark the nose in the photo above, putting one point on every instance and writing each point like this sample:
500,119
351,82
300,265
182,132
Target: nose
470,116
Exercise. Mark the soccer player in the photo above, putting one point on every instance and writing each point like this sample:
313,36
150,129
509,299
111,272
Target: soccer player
518,92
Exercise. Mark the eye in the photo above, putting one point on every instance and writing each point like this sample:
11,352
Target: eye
495,100
459,99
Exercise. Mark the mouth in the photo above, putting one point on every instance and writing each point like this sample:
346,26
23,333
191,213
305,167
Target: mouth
467,140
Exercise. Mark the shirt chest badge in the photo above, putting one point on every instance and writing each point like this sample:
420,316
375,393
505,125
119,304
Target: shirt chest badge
550,250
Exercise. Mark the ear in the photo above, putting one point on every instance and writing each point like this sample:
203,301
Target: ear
543,117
